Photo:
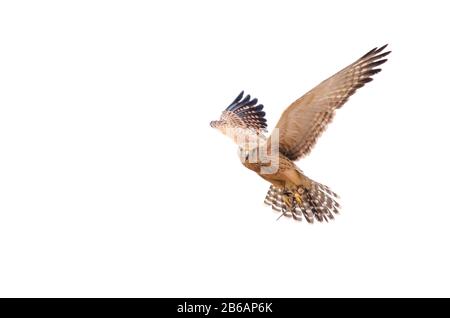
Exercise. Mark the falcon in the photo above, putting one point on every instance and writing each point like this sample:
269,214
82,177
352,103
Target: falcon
291,192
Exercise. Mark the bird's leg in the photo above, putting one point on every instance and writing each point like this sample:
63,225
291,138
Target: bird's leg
298,196
290,198
287,199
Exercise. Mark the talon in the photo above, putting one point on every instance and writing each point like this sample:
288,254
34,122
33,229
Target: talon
298,198
287,201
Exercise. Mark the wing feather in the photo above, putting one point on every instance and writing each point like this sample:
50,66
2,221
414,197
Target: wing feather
304,120
243,120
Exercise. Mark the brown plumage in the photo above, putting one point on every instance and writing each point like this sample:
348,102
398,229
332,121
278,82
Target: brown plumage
292,193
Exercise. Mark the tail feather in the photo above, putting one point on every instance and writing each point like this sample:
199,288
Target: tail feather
317,202
274,198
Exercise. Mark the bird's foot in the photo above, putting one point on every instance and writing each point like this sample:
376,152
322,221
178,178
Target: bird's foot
298,198
287,200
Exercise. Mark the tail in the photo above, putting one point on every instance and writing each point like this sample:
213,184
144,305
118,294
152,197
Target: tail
318,202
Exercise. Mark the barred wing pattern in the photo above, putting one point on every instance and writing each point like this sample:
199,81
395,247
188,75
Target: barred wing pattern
244,121
303,121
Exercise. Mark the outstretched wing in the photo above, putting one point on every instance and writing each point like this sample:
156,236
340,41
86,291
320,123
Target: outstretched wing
243,121
304,120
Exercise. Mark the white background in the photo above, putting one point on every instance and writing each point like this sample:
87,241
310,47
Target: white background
112,183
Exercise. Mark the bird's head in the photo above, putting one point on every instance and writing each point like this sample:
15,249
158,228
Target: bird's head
215,123
248,155
223,127
244,154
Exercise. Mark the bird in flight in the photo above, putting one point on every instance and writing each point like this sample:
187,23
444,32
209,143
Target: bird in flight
291,192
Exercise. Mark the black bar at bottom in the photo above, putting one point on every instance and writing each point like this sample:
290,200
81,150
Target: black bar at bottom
210,307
